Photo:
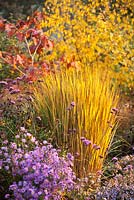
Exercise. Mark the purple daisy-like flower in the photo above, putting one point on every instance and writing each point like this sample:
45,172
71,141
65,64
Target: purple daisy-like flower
22,129
7,196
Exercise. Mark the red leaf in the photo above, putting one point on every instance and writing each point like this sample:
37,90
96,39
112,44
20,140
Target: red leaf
1,54
10,29
2,25
46,43
29,33
36,33
50,45
21,24
19,59
32,49
20,36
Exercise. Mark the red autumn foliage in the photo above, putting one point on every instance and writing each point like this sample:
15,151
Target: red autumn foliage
30,36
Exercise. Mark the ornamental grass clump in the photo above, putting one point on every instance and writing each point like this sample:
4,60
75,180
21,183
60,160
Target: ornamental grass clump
79,108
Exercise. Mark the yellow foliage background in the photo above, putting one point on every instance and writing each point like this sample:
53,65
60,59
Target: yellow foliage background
92,33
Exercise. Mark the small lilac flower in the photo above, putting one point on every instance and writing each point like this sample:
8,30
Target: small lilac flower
114,110
77,154
22,129
74,130
38,118
13,186
3,82
30,82
87,142
25,170
33,139
23,140
1,164
29,135
17,136
13,145
97,147
94,146
5,142
4,148
72,104
6,168
14,82
20,99
7,196
99,172
5,155
44,142
19,78
70,157
69,130
36,142
12,102
115,159
128,167
82,138
15,91
10,89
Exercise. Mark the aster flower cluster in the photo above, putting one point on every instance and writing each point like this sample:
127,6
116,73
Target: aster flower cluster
37,174
121,186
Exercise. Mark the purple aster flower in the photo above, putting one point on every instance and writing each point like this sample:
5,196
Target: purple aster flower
33,139
4,148
6,167
5,142
22,129
13,145
23,140
17,136
7,196
44,174
1,164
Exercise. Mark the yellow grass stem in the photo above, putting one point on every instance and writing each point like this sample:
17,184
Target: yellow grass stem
77,104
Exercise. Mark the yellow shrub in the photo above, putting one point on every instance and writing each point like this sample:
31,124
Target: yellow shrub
76,104
92,33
